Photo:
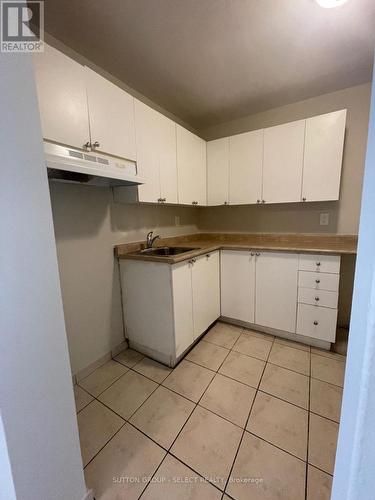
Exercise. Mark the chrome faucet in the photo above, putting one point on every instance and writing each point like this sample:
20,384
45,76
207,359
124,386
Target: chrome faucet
150,239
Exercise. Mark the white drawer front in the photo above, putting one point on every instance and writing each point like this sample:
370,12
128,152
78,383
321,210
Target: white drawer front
318,297
317,322
319,281
320,263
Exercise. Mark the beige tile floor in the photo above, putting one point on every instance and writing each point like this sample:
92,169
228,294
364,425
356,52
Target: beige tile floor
244,415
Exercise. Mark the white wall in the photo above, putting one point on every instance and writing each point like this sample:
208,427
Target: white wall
36,396
354,477
87,226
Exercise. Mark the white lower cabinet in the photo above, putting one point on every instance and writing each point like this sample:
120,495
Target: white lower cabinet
318,287
276,290
317,322
205,291
166,307
238,285
260,288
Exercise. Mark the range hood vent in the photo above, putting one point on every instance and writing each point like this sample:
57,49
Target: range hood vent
66,164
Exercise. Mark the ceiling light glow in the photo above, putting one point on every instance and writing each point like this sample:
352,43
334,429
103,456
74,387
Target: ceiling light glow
328,4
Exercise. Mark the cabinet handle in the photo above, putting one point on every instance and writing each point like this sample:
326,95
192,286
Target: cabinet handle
318,264
257,254
258,201
303,199
87,145
96,145
225,203
164,200
208,256
159,200
263,201
316,323
317,281
317,299
252,254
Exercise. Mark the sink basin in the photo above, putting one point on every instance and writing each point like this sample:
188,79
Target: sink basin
164,251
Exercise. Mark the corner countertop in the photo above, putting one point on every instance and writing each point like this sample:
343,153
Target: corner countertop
201,243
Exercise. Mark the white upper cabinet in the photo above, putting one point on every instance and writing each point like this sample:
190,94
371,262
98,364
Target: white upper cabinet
146,125
276,290
156,155
245,167
167,159
218,172
62,98
111,112
191,167
324,143
283,162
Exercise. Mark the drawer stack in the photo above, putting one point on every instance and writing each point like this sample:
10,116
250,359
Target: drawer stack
318,290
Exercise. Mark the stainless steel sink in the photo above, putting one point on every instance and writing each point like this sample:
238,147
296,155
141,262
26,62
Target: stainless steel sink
164,251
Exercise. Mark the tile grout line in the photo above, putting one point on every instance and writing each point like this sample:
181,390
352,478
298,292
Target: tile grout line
180,431
126,420
246,423
187,420
308,432
196,404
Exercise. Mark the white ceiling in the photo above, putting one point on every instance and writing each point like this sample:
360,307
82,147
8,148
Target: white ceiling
209,61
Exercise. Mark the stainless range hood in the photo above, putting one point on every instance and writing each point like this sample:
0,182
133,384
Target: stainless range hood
89,168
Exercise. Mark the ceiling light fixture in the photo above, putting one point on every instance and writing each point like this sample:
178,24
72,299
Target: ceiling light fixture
328,4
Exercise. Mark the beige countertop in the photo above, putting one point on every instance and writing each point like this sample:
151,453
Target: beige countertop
202,243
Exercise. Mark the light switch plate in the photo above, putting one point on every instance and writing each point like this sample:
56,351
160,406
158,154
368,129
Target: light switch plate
324,219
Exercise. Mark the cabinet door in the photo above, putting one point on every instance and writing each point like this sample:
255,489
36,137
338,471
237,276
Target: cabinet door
276,290
111,112
238,285
324,144
283,162
206,292
182,306
167,159
61,88
245,167
191,165
146,124
218,171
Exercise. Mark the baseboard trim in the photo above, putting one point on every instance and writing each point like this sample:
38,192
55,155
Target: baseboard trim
89,495
85,372
322,344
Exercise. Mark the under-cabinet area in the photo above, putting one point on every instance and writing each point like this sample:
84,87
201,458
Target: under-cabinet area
167,306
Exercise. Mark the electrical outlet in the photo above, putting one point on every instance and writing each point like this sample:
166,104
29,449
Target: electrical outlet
177,220
324,219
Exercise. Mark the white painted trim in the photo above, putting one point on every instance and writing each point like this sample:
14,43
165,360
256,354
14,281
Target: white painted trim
85,372
121,347
89,495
